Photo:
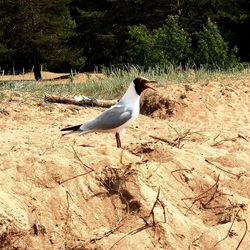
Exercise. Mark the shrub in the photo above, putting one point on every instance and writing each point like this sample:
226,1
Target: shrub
142,48
162,46
212,51
173,42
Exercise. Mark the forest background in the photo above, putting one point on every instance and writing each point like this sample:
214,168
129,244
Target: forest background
83,35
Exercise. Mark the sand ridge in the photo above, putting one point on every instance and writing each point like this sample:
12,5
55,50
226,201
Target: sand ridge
74,193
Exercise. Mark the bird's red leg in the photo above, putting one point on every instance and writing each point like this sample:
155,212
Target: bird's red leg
118,140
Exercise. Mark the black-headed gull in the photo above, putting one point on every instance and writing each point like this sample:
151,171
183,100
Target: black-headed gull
119,116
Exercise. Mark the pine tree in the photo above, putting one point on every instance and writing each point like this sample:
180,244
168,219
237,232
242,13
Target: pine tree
35,29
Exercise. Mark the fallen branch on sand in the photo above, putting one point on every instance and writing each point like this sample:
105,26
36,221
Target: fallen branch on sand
80,101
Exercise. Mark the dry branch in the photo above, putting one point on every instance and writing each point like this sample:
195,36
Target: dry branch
83,101
171,143
230,229
246,229
68,195
181,169
157,200
111,231
79,159
233,139
132,232
74,177
204,195
226,171
147,225
175,142
243,137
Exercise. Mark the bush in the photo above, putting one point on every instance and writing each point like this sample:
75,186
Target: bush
173,42
163,46
141,46
212,51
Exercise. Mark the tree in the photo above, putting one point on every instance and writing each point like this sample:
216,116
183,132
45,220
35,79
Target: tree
231,16
103,26
35,29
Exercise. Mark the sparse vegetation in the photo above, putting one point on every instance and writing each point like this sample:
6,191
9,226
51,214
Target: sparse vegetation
114,85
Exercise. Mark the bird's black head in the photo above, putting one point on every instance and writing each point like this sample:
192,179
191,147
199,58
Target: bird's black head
142,83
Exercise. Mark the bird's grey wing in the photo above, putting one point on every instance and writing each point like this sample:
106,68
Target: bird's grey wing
109,119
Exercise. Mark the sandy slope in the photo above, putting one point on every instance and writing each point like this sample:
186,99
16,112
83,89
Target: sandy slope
46,201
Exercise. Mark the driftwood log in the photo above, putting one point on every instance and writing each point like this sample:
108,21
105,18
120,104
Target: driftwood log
80,101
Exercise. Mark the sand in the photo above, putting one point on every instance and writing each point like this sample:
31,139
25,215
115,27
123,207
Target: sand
75,192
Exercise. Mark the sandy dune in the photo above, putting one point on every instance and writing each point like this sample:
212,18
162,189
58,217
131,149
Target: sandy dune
74,193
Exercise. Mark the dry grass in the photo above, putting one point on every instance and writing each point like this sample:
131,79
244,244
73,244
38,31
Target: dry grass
109,87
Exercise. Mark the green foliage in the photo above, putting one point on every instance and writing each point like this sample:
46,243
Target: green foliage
173,41
35,30
142,49
82,34
166,45
212,51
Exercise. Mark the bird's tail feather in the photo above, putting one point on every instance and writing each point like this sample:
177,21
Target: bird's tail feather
72,128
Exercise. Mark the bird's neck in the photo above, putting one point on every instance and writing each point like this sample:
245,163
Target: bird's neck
131,97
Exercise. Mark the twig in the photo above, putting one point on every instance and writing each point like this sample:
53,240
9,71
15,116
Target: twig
152,209
74,177
246,229
182,137
223,140
243,137
190,198
227,171
216,136
229,230
111,231
67,210
181,169
211,198
164,211
176,131
157,200
79,159
176,142
203,195
227,139
134,231
147,225
171,143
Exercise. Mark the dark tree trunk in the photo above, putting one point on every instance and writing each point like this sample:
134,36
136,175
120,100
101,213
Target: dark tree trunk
37,66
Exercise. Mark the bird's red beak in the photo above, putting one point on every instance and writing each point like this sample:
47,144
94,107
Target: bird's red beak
149,86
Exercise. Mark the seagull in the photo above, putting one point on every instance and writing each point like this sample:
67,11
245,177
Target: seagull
119,116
